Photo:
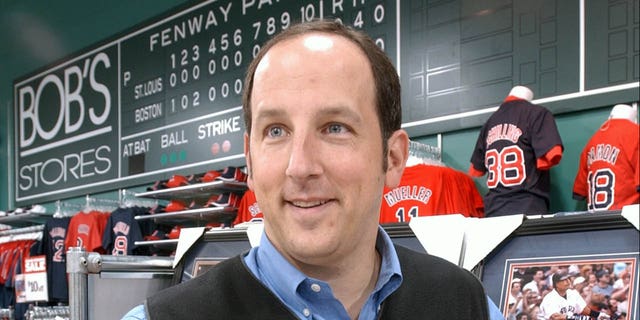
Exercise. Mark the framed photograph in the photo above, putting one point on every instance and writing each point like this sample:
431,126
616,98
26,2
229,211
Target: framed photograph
528,282
202,265
600,257
212,249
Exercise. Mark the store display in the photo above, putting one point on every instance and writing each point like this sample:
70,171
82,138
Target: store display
426,190
122,231
608,176
248,209
210,176
54,234
232,174
516,147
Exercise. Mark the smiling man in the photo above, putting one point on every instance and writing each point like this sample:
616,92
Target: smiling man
323,114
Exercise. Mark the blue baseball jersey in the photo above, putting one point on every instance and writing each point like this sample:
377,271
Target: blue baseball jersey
507,149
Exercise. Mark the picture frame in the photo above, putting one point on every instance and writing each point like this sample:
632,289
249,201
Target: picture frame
564,243
200,265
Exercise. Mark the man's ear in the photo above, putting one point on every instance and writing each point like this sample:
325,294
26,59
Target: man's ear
247,156
397,154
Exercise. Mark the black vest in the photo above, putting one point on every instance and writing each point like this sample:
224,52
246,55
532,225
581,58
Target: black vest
432,288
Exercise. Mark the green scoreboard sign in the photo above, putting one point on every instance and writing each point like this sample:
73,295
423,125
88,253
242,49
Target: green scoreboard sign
165,97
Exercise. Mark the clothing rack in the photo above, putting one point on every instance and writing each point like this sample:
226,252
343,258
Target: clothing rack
100,204
128,199
425,153
26,233
48,312
64,209
9,232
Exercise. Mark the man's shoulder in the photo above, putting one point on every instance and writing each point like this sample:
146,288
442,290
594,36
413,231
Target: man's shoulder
434,286
434,271
411,261
196,288
226,270
229,288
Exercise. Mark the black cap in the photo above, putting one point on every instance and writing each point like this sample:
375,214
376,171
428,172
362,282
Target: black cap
601,273
559,276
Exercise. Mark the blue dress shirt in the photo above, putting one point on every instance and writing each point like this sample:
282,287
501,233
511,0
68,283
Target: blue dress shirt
313,299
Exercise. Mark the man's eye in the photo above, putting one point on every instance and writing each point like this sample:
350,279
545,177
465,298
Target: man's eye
275,131
336,128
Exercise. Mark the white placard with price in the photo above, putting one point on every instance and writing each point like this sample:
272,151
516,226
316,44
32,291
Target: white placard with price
35,278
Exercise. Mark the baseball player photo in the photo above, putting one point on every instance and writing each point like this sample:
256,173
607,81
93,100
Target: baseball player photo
565,303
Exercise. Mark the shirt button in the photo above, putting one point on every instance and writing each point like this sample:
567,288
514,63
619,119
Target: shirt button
306,312
315,287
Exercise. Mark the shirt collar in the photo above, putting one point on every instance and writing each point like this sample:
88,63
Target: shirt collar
285,280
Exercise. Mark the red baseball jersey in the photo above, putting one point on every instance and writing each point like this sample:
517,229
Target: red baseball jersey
609,174
508,149
248,208
427,190
85,230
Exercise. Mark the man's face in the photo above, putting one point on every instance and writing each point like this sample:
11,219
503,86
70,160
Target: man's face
538,275
315,150
516,287
563,285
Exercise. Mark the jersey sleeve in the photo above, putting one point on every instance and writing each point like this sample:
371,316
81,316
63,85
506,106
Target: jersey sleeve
544,134
580,182
477,157
107,238
635,159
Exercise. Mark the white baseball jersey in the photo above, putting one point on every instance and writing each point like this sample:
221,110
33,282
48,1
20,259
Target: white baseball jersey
571,306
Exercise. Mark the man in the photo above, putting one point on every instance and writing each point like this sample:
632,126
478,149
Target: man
322,112
564,303
603,286
579,283
534,284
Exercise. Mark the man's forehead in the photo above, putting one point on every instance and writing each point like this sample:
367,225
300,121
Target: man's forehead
304,44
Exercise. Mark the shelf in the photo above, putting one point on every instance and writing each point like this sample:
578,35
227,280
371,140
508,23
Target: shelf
24,219
160,244
195,191
191,217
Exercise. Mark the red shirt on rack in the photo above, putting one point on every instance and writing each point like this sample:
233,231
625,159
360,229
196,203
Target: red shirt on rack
86,230
427,190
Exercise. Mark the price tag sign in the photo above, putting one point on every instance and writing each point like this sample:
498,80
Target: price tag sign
35,279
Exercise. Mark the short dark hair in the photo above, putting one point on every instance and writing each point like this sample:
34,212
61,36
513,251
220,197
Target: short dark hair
601,273
559,276
387,82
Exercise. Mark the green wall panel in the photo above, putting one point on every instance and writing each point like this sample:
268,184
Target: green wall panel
457,57
36,34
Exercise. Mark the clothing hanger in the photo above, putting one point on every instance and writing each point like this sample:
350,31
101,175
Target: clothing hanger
26,233
58,213
420,153
128,199
99,204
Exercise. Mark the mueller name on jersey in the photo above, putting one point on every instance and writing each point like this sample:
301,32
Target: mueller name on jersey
418,193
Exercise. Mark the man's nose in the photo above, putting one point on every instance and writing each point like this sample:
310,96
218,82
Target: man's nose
304,155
